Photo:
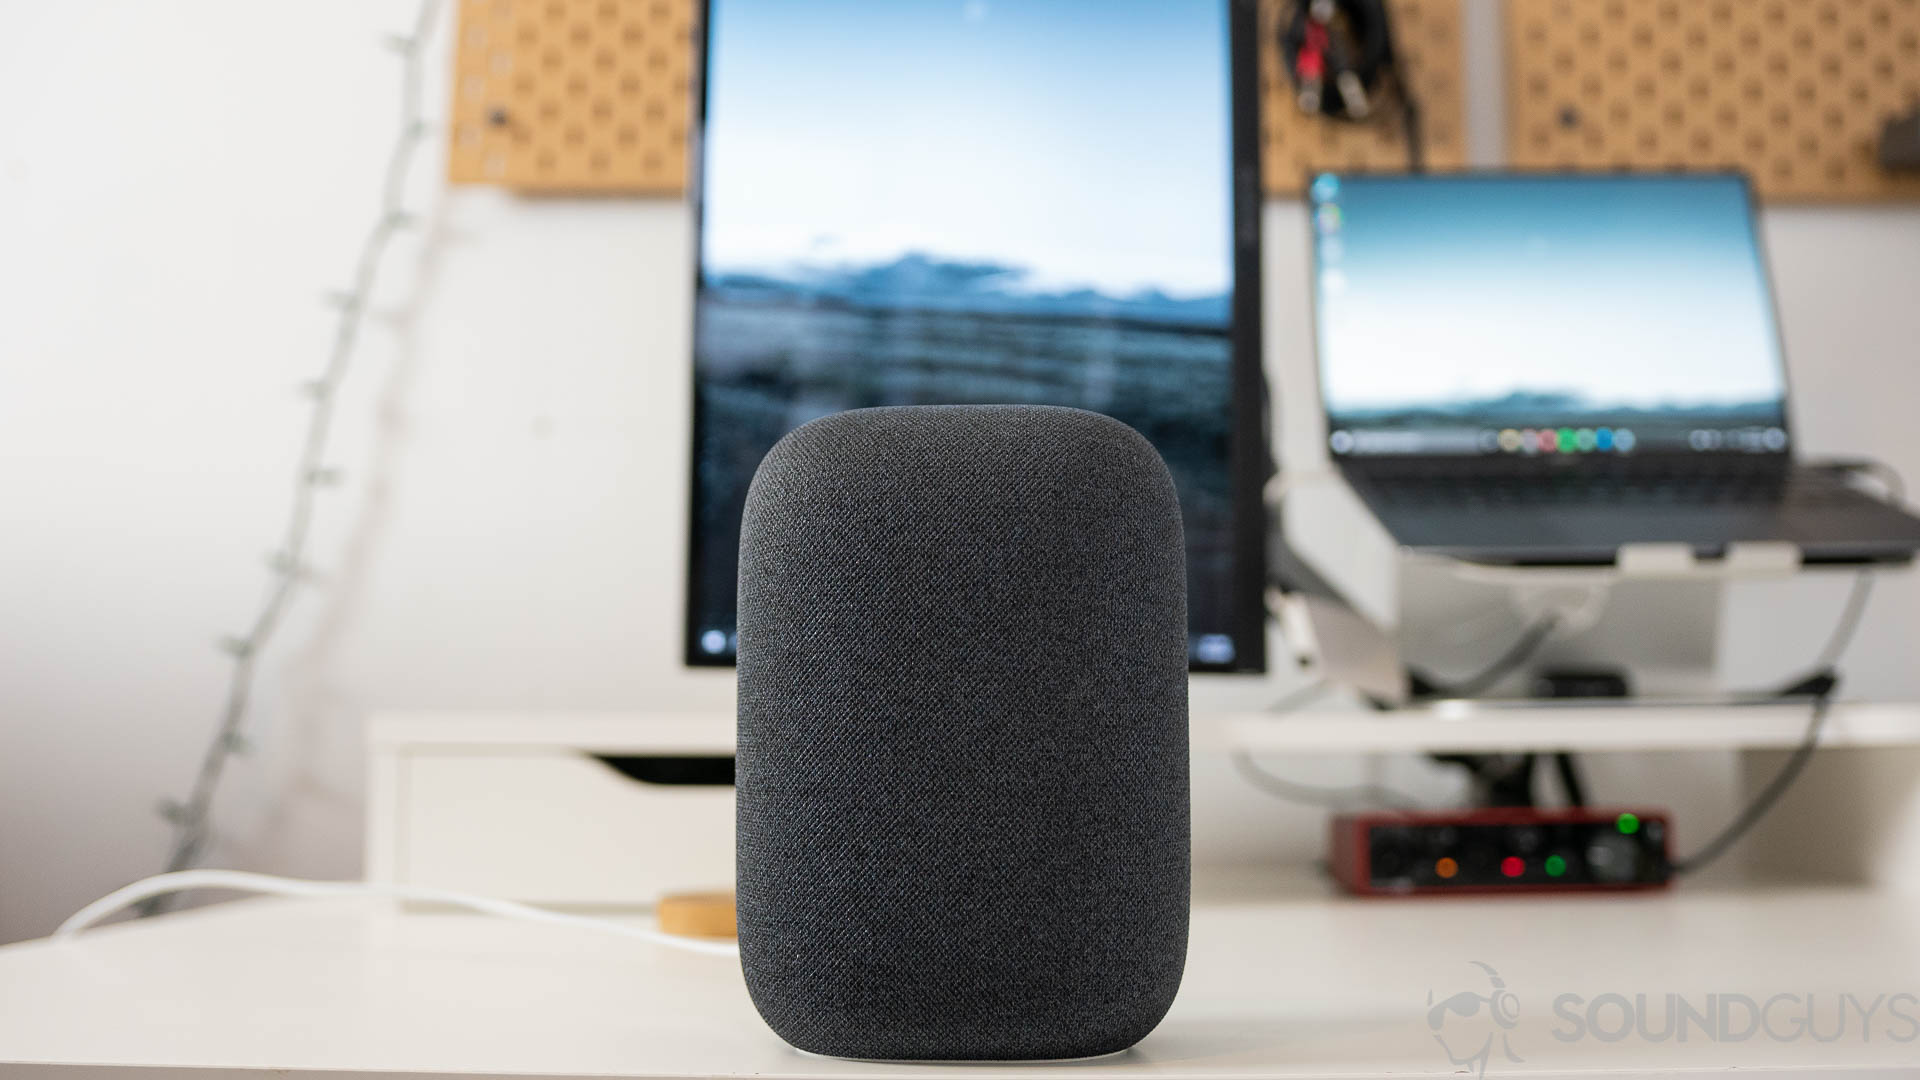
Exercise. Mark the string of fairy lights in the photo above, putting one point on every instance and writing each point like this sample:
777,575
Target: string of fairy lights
191,817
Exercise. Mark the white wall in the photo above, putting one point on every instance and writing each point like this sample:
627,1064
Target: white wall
179,184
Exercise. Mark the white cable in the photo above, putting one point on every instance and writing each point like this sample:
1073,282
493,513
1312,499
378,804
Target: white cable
242,881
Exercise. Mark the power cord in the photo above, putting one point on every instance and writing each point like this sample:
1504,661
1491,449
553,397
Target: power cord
241,881
1523,649
1856,605
1821,687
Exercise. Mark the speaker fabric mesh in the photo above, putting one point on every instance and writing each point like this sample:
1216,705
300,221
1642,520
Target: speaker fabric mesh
962,760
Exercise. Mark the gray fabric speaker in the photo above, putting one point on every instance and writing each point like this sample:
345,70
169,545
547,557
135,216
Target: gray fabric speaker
962,763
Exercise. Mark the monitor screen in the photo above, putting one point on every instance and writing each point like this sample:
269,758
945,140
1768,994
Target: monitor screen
1544,316
975,202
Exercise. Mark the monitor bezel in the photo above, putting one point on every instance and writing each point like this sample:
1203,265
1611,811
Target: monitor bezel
1249,456
1547,463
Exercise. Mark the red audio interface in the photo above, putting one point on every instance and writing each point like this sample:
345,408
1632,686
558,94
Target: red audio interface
1500,851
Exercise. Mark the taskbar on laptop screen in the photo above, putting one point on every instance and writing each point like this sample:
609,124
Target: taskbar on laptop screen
1519,439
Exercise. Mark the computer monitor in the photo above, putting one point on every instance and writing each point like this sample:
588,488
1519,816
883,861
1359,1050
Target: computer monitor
1556,317
984,201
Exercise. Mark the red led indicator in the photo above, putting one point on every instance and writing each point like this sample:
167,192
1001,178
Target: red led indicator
1513,866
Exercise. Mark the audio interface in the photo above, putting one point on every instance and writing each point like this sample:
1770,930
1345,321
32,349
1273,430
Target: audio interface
1499,851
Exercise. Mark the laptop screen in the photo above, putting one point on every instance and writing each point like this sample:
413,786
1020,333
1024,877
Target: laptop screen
1544,316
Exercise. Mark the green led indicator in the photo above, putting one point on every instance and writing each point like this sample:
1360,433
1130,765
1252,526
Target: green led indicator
1566,440
1628,824
1556,866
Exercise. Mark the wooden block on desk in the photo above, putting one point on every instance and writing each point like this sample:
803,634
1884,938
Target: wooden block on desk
698,914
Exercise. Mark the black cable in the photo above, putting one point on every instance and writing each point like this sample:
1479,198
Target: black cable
1413,129
1763,802
1338,53
1342,58
1337,798
1852,613
1571,781
1523,649
1412,119
1850,618
1329,797
1820,685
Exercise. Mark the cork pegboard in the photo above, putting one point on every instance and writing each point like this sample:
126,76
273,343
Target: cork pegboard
1427,35
1792,91
573,95
596,96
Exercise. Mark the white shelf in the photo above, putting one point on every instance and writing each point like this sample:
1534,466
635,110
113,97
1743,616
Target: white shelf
1469,726
1456,725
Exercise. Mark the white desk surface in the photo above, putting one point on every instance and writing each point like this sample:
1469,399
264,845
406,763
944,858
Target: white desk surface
1281,982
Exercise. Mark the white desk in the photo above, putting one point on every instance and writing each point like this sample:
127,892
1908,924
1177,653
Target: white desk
1283,980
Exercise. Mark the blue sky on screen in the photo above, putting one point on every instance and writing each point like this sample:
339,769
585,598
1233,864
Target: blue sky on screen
1085,140
1641,292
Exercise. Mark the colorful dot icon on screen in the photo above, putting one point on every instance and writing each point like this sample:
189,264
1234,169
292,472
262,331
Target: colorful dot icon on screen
1628,824
1603,439
1556,866
1326,188
1513,866
1565,440
1328,219
1446,868
1585,440
1623,440
1548,441
1509,440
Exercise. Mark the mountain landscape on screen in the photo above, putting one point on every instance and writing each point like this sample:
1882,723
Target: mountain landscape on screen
919,281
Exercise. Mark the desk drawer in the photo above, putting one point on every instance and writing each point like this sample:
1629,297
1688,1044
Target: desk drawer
560,826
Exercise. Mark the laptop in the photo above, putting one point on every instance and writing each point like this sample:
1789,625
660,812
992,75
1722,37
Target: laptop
1547,368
